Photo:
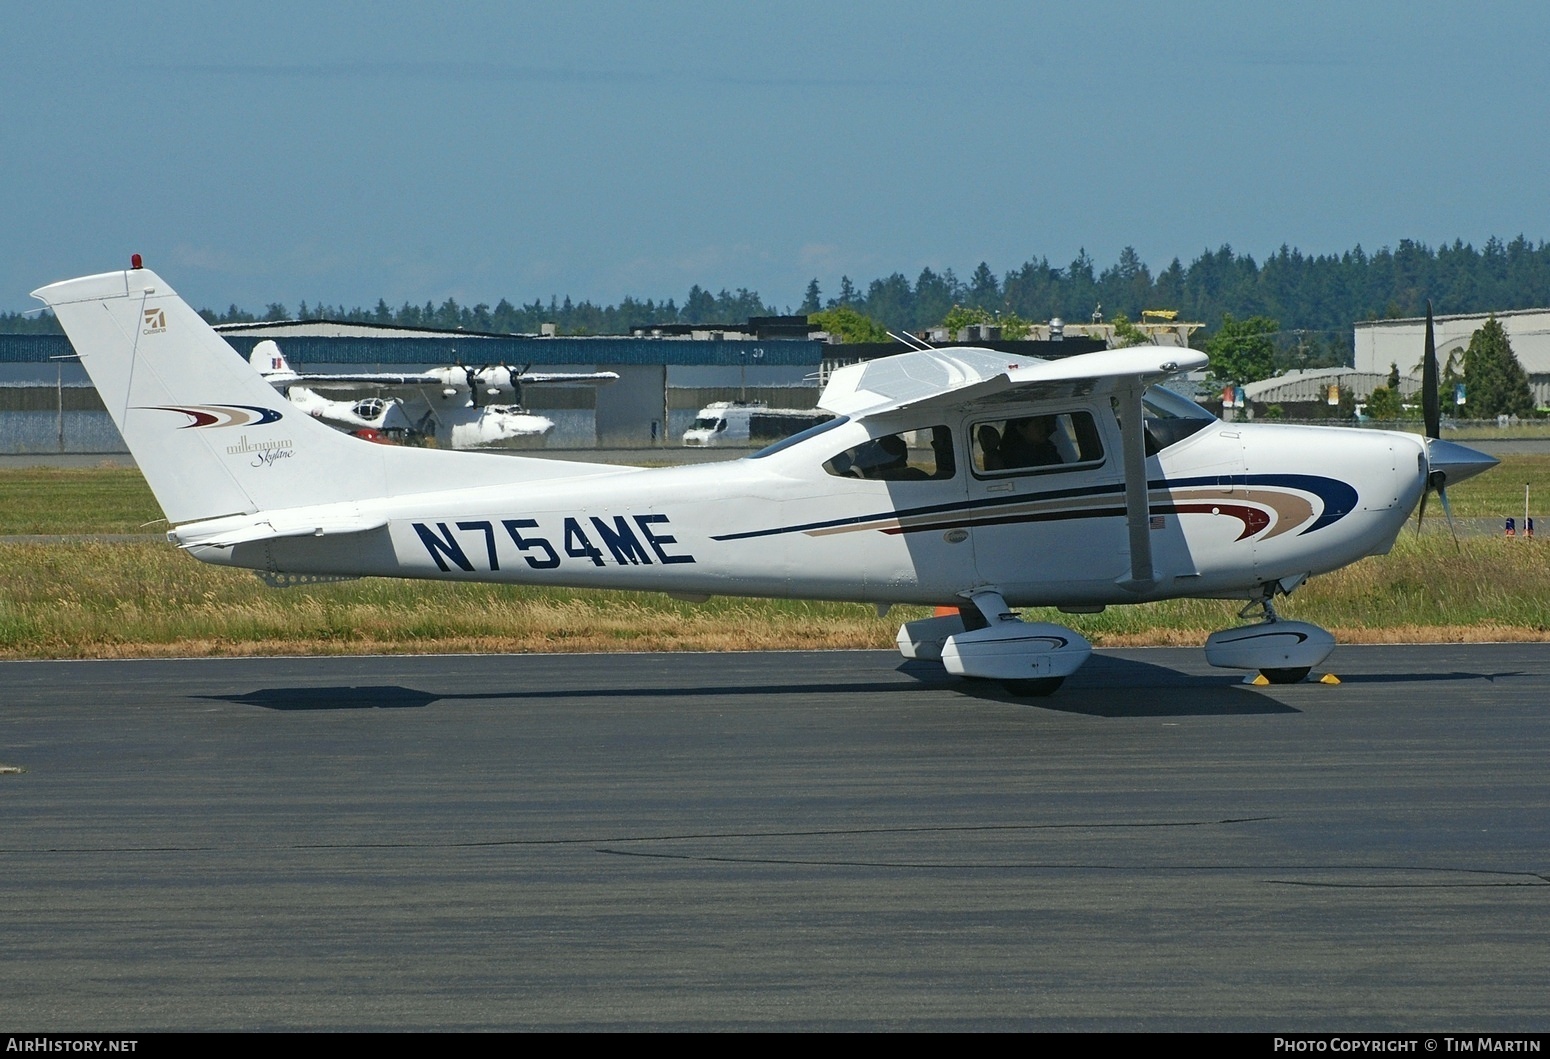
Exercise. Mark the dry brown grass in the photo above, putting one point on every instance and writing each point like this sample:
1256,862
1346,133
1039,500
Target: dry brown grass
146,599
131,599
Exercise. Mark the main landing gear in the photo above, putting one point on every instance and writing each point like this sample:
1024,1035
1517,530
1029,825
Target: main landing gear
987,640
990,641
1282,651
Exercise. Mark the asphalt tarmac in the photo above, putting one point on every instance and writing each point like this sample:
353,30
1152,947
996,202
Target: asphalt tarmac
788,840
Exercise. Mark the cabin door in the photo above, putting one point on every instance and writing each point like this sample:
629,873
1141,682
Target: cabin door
1047,504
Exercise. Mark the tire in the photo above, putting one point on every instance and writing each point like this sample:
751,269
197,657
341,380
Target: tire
1285,676
1033,689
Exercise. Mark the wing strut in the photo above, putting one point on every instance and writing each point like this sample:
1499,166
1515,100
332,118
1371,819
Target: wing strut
1138,511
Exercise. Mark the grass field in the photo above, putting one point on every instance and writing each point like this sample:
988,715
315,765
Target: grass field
142,597
77,500
1499,492
1465,431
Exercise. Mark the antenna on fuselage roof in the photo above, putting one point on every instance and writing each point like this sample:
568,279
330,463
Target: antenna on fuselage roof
910,340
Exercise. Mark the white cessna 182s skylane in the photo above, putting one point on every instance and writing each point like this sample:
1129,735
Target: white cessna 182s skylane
954,477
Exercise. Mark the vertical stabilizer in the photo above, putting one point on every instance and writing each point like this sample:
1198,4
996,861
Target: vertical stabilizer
210,435
269,362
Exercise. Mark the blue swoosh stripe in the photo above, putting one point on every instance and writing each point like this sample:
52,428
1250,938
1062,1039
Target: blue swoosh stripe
1339,499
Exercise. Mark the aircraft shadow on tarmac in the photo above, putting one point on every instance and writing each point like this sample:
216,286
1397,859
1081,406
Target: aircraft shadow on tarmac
395,697
1105,687
346,697
1412,678
1123,687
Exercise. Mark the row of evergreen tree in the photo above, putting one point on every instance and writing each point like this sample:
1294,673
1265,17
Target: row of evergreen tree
1315,297
571,318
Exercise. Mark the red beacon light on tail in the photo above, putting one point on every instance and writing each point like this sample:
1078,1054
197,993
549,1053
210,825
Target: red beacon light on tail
134,261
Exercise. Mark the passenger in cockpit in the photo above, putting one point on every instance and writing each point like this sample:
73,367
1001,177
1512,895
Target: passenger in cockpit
1027,443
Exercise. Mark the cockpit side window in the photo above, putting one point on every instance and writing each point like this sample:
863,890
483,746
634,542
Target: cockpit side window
1028,444
909,456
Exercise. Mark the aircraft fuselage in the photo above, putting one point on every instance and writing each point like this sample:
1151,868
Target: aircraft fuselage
1231,507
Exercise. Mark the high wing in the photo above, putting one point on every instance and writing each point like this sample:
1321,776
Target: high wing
970,377
460,378
967,376
527,377
272,365
332,380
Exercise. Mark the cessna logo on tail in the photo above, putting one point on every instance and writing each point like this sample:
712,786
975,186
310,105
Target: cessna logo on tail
155,322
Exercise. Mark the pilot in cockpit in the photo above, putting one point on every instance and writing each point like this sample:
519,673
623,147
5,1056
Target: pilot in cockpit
1027,443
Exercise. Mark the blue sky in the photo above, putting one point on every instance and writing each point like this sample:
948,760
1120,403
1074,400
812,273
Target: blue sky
345,152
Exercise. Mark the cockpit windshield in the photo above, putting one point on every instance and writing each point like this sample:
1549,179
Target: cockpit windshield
801,436
1170,418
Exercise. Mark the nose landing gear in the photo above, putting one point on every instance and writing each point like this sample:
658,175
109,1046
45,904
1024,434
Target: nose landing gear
1283,651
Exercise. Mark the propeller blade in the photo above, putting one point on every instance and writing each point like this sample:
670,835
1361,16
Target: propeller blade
1420,515
1431,408
475,384
1447,509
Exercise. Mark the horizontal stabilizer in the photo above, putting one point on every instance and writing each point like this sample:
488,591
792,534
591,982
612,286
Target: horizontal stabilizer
454,378
273,525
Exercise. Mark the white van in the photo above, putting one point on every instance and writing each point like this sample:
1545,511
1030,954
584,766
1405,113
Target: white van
747,422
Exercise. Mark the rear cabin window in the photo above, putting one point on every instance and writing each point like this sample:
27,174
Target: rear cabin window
923,455
1025,444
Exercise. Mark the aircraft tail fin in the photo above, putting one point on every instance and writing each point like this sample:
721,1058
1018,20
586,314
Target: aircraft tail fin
211,436
269,362
214,438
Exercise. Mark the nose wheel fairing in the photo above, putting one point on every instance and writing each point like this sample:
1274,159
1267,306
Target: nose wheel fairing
1282,650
